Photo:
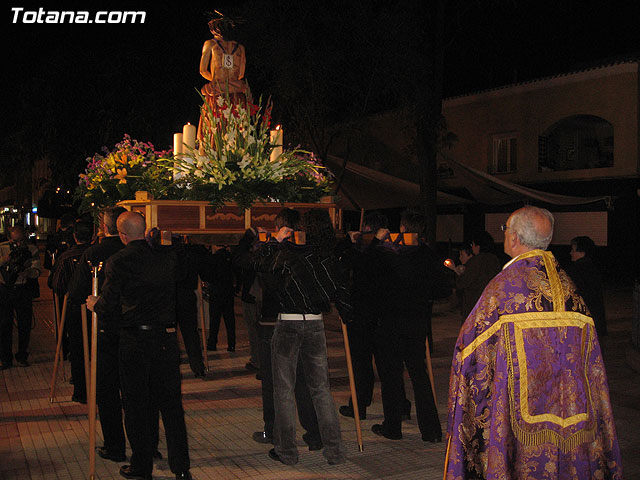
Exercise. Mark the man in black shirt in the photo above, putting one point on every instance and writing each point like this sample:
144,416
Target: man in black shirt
141,283
309,279
108,376
59,281
414,277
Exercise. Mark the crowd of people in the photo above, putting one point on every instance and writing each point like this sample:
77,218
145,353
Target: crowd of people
527,327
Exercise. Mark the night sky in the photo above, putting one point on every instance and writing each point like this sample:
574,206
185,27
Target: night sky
68,90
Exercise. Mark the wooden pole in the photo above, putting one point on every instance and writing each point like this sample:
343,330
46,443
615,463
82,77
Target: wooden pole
93,378
430,371
205,357
85,347
352,386
56,359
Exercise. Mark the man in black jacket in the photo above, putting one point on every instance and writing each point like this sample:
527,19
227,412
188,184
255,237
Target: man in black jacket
107,375
141,283
413,275
309,279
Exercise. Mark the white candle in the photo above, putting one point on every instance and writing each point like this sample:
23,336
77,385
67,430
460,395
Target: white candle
177,144
276,139
189,137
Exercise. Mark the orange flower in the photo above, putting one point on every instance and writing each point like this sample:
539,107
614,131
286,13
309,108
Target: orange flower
122,174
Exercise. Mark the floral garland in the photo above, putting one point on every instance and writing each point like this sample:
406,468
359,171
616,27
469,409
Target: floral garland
116,175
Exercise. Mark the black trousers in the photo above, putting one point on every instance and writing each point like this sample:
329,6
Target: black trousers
361,343
15,299
150,378
304,403
402,341
222,307
187,315
108,392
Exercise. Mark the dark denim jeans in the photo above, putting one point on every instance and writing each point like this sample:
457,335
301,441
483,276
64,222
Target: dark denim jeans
304,404
304,339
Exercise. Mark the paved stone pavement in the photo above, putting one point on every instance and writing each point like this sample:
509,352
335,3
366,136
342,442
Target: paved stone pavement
43,440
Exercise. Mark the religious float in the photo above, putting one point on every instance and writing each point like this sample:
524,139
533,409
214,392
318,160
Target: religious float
226,175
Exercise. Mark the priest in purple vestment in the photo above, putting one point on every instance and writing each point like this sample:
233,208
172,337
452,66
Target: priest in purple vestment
528,394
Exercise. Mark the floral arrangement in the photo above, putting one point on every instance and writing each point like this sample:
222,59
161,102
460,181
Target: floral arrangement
117,174
234,161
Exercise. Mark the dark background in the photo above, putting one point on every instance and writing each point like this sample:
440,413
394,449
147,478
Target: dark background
69,90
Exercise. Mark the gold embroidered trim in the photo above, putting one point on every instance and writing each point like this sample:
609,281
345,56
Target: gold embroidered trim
547,319
545,435
524,377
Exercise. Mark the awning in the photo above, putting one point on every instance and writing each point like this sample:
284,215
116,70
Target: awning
362,187
488,189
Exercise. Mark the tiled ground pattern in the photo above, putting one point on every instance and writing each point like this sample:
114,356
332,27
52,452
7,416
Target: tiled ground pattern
43,440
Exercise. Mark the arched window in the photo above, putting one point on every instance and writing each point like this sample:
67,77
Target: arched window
576,143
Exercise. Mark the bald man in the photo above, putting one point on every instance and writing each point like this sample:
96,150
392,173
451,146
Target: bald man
528,394
140,282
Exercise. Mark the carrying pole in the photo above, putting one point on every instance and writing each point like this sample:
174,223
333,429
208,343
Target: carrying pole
93,378
202,325
56,359
85,347
352,386
430,371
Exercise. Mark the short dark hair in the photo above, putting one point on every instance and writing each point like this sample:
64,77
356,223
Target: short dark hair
67,220
319,231
413,221
584,244
483,239
110,219
83,231
376,221
288,217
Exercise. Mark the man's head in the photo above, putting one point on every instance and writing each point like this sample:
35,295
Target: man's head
582,247
288,217
481,241
82,232
131,226
16,233
528,228
109,220
412,221
67,221
374,221
319,230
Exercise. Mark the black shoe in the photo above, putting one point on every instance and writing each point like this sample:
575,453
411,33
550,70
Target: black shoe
231,349
261,437
126,472
251,367
23,363
212,348
5,366
347,411
432,439
157,455
314,444
199,374
274,456
378,429
79,399
184,476
258,376
104,453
